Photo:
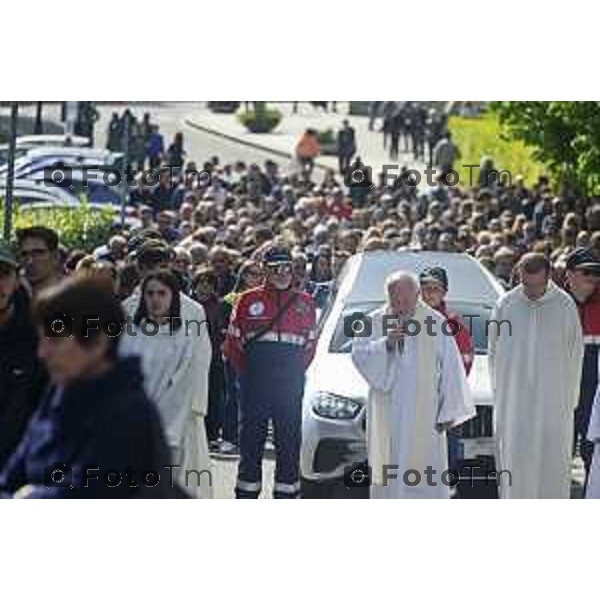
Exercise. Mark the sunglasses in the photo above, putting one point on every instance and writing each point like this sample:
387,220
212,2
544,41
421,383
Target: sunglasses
283,269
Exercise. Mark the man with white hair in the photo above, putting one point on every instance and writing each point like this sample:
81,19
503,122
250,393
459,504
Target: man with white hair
417,391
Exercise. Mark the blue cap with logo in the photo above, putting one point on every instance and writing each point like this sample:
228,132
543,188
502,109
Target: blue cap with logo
582,259
277,256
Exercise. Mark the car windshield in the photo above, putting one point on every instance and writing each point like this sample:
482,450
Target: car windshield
475,316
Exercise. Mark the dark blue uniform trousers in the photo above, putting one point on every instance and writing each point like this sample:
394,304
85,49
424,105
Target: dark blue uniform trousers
274,394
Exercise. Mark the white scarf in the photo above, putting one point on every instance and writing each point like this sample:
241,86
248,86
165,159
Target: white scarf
379,419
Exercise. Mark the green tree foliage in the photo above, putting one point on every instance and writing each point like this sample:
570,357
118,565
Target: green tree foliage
565,136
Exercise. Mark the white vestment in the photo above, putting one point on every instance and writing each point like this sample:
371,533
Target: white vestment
410,392
593,435
175,371
535,368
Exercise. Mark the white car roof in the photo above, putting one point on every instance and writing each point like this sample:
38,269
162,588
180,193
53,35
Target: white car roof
26,166
363,277
79,154
50,140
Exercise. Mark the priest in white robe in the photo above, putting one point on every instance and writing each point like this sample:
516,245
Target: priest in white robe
417,390
535,357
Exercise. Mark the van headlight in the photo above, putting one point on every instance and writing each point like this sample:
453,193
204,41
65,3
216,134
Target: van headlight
332,406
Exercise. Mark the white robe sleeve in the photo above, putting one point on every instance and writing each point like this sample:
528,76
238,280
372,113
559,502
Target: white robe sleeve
193,378
493,333
575,351
455,402
373,362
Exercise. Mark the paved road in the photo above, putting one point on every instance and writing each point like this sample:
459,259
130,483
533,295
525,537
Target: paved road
199,146
170,116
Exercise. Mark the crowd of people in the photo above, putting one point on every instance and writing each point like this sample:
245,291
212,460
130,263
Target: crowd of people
410,127
142,143
203,242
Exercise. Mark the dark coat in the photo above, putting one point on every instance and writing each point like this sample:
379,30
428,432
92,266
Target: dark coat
22,376
100,425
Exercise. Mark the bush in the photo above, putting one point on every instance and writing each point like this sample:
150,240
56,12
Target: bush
260,121
326,137
328,142
80,227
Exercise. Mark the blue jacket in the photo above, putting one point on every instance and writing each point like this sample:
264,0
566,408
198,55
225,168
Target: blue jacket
101,425
155,145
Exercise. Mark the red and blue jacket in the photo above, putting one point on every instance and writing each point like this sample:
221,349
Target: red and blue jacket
287,348
589,314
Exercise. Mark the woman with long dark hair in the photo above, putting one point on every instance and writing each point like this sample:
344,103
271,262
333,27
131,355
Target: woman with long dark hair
175,364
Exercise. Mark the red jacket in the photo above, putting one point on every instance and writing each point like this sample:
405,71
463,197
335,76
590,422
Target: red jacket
463,337
341,210
255,308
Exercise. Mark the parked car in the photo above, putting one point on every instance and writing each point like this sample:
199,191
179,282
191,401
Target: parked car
27,142
37,159
334,409
29,192
92,185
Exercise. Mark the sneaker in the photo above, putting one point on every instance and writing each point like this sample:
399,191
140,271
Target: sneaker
229,449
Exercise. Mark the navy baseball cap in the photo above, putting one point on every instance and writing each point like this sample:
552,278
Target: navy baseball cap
582,259
277,256
434,274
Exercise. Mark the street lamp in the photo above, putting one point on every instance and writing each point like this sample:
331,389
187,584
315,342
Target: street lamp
10,175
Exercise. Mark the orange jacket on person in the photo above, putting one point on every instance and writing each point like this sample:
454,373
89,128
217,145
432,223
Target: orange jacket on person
308,146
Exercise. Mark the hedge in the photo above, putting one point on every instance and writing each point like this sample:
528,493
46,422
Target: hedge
78,228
